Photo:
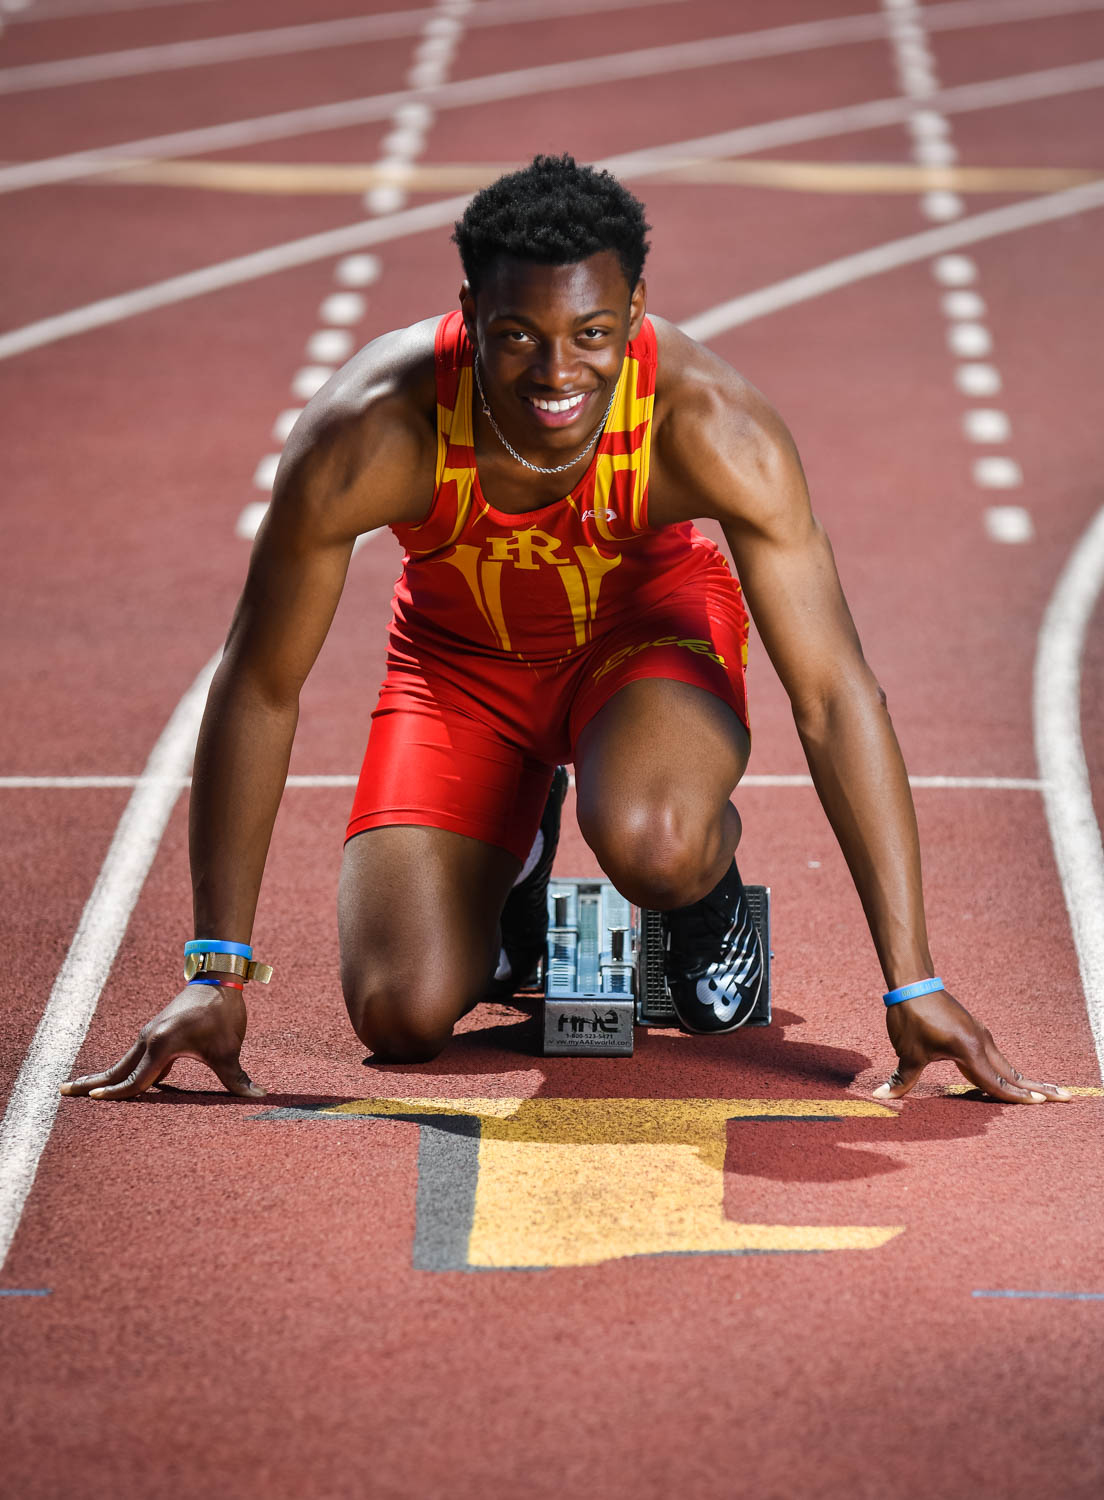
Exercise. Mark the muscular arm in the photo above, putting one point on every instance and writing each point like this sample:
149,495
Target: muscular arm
746,474
361,456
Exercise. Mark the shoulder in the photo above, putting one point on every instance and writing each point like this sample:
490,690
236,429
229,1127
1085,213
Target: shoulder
717,438
372,426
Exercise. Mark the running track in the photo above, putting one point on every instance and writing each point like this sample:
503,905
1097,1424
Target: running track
719,1268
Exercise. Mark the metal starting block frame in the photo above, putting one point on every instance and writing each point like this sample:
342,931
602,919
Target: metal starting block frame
603,971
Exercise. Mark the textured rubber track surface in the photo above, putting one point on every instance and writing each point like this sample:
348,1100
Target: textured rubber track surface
718,1268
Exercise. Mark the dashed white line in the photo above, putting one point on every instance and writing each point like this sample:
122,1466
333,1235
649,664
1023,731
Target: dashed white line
985,425
357,270
334,345
308,381
978,380
954,270
969,340
965,305
1009,523
997,472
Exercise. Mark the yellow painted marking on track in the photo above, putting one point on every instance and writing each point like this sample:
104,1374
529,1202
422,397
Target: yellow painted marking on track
796,176
884,177
572,1182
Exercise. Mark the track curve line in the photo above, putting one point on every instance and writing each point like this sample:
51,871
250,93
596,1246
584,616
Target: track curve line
522,83
33,1104
892,255
316,36
1060,753
706,325
319,36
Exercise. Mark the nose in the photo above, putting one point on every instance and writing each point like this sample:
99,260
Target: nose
556,366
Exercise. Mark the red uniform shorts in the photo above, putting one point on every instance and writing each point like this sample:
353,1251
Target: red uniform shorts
467,740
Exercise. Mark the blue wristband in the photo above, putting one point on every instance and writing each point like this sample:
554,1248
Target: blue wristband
212,945
216,982
911,991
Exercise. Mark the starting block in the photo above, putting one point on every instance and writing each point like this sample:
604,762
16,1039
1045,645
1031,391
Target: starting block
603,971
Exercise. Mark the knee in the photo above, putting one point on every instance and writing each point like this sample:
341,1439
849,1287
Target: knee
658,854
399,1022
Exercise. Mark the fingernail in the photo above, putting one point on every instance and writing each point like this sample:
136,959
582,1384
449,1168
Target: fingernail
1038,1098
1063,1093
882,1091
95,1093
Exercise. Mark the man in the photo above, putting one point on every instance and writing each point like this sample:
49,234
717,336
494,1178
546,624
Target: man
541,455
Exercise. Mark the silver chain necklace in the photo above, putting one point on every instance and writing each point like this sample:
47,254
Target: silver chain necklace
502,438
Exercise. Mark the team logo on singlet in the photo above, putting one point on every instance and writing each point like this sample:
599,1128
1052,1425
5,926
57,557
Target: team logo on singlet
580,574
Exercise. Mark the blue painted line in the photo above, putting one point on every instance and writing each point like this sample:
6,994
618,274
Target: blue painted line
1064,1296
18,1291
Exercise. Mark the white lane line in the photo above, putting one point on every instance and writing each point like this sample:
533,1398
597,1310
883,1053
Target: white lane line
1060,753
929,783
248,268
33,1104
524,82
228,273
889,257
314,36
40,12
353,30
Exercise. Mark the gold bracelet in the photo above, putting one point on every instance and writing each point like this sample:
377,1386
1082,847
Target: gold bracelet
226,963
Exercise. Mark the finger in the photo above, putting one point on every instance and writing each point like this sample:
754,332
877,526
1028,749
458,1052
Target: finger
115,1074
232,1076
981,1072
144,1076
901,1080
165,1071
1052,1091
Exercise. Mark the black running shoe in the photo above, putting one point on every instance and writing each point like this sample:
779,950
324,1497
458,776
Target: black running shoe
525,915
714,959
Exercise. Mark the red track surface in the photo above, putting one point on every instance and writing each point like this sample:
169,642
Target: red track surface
233,1306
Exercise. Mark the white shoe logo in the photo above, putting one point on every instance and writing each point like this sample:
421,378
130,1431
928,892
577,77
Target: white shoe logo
715,1001
599,515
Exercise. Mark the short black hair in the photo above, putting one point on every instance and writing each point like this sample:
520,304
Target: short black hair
553,212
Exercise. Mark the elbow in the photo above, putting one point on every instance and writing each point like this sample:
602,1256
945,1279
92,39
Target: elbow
819,714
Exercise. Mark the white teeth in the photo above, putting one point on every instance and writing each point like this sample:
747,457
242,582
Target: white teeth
567,405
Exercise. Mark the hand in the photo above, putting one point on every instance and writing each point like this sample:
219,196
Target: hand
935,1027
202,1022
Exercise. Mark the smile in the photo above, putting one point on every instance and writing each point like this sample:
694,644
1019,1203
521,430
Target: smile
569,403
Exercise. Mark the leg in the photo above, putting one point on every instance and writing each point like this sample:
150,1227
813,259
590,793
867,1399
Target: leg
655,768
418,915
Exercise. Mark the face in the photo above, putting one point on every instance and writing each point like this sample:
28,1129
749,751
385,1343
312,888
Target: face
551,342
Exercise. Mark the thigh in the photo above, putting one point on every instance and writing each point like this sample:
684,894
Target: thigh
659,743
418,915
429,764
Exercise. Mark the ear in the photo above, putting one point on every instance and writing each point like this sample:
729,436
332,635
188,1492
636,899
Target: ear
638,306
467,307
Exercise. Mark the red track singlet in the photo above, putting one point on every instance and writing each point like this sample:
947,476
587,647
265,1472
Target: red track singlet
510,632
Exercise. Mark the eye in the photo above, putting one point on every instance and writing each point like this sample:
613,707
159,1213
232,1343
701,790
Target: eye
594,333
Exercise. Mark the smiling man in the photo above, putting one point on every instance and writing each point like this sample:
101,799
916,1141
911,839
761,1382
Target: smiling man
541,455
